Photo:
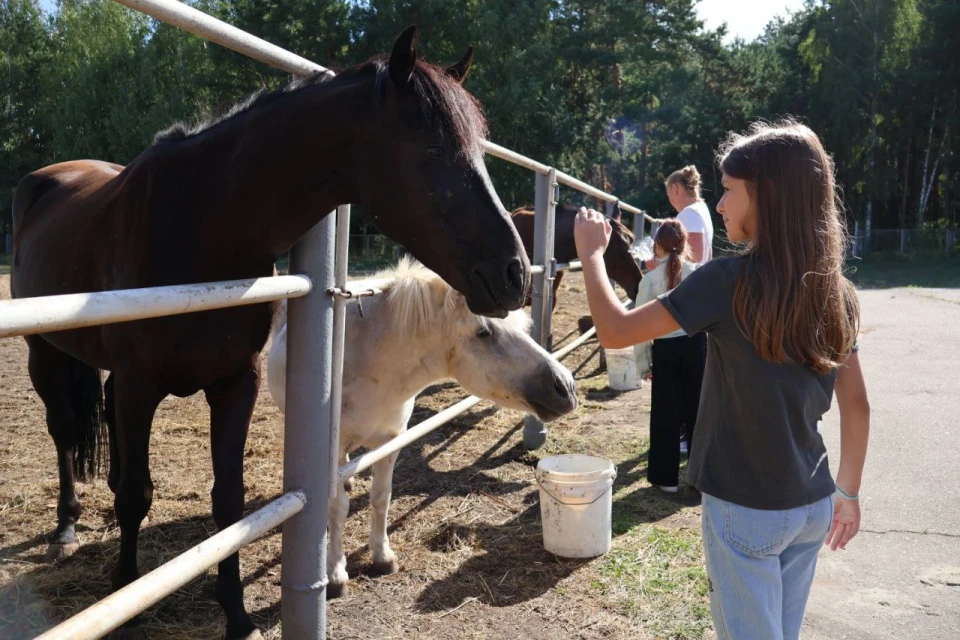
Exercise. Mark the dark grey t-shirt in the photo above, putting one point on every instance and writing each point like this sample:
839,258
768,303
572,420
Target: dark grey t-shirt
756,442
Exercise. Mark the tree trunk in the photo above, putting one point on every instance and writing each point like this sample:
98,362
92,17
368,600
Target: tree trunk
926,166
905,190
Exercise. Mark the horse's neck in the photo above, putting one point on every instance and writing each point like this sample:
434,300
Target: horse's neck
410,363
564,248
273,172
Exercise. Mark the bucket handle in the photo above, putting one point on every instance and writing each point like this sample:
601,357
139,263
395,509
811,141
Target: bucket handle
546,491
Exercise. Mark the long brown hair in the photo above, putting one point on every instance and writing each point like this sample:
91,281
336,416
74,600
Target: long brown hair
792,298
688,178
672,238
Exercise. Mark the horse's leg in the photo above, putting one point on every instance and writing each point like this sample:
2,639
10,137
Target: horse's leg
110,416
384,560
556,288
231,407
52,373
135,400
336,559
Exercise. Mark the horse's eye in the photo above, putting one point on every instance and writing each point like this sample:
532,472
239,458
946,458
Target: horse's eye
435,151
483,332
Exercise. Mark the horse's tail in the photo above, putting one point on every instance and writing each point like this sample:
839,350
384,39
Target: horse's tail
86,397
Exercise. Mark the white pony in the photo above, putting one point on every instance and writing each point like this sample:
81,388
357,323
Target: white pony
417,333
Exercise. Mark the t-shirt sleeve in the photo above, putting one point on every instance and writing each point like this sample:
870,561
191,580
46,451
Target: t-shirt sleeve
702,300
692,221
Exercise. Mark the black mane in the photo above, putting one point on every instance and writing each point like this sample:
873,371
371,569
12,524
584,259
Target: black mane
261,98
443,102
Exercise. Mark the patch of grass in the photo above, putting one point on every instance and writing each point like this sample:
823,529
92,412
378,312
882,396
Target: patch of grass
656,575
886,271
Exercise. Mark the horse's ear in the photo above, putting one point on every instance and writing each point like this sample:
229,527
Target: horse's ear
403,58
460,70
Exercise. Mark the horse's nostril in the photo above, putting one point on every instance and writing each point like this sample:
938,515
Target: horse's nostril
560,386
515,274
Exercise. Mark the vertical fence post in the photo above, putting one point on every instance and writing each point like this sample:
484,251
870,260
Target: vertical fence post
856,238
339,328
306,450
534,432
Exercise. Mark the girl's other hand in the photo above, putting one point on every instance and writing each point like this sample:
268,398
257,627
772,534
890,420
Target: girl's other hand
591,232
846,522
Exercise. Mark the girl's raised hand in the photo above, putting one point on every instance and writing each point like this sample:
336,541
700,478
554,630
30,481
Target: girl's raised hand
591,231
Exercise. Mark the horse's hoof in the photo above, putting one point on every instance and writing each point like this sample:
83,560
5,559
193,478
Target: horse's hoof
386,568
58,551
253,635
348,485
335,590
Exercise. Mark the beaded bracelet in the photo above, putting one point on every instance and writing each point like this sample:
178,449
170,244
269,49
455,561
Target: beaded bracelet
847,495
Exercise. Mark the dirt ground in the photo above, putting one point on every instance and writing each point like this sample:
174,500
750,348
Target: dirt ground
464,523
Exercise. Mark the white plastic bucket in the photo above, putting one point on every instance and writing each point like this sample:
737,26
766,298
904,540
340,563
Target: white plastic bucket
576,501
622,373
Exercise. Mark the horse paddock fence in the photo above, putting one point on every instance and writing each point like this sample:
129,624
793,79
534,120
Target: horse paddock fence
318,291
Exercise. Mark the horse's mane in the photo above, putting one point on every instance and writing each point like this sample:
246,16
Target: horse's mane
443,102
411,297
621,230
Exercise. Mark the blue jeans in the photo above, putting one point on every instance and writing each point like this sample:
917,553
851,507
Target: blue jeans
760,566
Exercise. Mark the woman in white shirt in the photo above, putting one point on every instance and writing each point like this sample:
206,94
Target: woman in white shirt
677,362
683,190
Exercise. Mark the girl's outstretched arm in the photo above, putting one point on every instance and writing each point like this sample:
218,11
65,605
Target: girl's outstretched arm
854,433
617,327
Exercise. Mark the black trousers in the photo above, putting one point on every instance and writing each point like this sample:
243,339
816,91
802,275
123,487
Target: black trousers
675,397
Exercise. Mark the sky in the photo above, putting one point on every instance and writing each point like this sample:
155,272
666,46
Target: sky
744,18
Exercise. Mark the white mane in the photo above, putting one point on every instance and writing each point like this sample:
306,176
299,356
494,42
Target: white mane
415,295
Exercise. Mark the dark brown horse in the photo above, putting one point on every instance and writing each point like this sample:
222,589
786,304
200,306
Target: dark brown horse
223,201
621,266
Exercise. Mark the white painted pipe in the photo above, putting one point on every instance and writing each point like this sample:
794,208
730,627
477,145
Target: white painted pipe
26,316
209,28
339,331
370,458
560,354
573,265
306,436
366,284
570,181
512,156
100,619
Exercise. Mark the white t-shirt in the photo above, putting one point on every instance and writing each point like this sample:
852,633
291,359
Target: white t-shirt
696,219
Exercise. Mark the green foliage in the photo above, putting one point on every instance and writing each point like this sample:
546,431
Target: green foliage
619,93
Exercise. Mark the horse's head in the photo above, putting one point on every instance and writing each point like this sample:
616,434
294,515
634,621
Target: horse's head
621,265
424,182
496,359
